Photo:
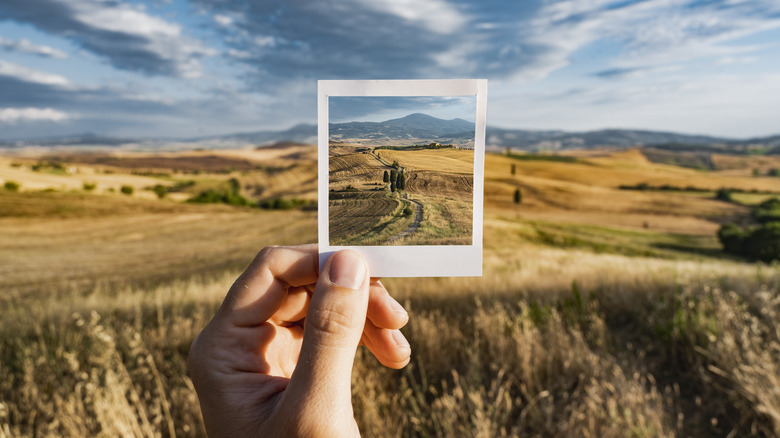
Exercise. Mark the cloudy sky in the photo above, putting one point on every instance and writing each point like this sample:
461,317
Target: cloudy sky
183,68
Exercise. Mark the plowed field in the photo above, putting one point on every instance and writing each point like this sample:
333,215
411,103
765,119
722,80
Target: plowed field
365,218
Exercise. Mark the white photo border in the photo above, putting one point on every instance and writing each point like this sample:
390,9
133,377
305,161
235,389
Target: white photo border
412,260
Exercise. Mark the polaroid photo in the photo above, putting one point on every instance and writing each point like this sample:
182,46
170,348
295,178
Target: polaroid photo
401,174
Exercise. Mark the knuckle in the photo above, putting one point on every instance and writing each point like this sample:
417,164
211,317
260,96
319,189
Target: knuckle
334,321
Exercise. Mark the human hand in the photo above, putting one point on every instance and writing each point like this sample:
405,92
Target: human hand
260,371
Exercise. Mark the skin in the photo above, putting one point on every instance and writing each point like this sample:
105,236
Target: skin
276,359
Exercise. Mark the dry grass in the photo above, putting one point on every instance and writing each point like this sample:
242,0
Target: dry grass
612,335
445,222
638,347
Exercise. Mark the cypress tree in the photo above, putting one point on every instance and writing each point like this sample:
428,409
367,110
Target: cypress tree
518,196
401,183
385,177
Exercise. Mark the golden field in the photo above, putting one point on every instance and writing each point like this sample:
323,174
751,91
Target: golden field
601,312
364,211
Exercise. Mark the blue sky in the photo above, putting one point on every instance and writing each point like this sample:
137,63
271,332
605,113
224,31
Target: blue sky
183,68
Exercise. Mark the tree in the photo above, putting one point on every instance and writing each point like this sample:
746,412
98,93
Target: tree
127,190
774,172
392,186
513,169
385,177
518,196
11,186
401,182
393,176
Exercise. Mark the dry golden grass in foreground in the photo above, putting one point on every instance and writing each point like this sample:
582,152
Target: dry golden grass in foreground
549,343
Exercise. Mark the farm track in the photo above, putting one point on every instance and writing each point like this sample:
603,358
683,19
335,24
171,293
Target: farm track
418,215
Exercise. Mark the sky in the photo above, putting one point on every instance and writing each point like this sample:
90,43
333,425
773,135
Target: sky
188,68
343,109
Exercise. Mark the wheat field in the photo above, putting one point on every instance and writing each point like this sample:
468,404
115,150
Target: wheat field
585,323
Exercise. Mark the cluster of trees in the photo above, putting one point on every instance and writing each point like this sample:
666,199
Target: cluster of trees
758,242
230,195
771,172
397,179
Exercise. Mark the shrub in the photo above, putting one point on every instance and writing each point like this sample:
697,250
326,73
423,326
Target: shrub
89,186
283,204
11,186
767,211
774,172
518,196
160,190
408,211
757,243
723,194
127,190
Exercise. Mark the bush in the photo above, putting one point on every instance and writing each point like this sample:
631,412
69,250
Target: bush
767,211
518,196
283,204
11,186
408,211
723,195
89,186
160,190
127,190
756,243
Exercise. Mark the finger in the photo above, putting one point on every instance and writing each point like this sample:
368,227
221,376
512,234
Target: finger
390,347
383,310
294,307
334,324
261,290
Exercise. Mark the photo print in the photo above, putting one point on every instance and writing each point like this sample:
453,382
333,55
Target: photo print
401,174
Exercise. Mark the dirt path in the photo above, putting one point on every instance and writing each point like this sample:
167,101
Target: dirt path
418,214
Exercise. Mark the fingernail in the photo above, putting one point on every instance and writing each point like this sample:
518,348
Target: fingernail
400,340
347,270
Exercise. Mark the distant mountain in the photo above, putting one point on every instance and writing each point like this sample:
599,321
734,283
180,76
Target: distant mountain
413,126
422,126
559,140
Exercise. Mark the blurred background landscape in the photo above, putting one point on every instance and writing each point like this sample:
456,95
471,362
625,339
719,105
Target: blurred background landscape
149,149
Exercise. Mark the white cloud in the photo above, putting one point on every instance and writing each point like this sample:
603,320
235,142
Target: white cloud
15,115
26,46
29,75
223,20
435,15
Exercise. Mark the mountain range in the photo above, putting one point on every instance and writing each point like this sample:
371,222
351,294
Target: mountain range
413,126
422,126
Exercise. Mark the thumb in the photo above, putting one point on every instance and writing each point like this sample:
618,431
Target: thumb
333,328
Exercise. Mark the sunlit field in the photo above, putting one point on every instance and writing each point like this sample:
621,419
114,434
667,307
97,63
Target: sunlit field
601,312
434,202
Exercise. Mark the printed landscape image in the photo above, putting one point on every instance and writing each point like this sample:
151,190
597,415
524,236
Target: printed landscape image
403,181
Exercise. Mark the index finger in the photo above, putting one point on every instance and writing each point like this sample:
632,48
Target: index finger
260,291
